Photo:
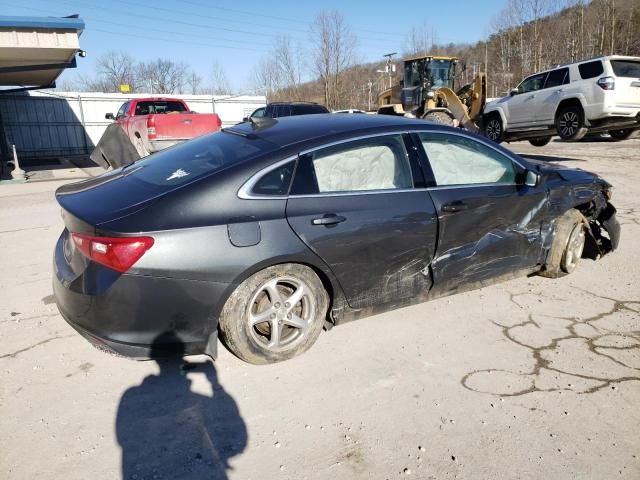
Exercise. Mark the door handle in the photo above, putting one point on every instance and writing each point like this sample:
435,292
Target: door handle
328,219
453,207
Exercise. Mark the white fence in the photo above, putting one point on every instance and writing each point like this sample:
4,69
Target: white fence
51,124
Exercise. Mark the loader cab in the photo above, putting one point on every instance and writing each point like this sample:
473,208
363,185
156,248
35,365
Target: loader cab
423,75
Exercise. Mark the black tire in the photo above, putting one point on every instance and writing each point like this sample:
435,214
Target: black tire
493,128
570,122
440,117
567,247
621,133
258,324
540,142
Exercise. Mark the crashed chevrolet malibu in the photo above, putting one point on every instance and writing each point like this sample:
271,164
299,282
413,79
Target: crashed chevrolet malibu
270,230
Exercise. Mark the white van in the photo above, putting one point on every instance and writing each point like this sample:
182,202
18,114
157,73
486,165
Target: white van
597,95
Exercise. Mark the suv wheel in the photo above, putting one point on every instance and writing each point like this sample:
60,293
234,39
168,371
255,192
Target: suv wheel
540,142
621,133
570,123
493,129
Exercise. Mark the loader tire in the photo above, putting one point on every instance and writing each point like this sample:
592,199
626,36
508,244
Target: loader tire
442,118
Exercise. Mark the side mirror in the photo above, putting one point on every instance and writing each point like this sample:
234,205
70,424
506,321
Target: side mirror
402,83
109,116
531,178
514,91
245,119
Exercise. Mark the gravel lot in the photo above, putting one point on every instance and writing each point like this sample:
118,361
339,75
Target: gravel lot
531,378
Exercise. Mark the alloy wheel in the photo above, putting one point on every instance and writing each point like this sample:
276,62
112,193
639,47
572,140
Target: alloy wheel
494,129
569,124
575,246
281,313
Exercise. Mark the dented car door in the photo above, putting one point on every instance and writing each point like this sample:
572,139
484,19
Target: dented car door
489,222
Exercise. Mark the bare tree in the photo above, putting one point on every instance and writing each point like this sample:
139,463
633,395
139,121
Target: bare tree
113,68
333,54
418,41
193,82
163,75
219,83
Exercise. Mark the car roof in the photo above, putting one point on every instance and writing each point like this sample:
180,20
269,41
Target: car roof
302,129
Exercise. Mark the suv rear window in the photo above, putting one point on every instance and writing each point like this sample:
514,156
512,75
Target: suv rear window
626,68
308,109
194,159
590,69
557,78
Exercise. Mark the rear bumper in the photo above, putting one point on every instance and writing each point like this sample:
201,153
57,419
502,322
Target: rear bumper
127,313
157,145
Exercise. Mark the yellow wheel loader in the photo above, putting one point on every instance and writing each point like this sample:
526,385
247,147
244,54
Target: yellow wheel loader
427,92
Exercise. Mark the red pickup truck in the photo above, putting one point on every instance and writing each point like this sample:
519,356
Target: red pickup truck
156,123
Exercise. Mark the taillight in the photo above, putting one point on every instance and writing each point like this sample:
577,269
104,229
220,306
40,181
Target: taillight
151,127
607,83
218,121
117,253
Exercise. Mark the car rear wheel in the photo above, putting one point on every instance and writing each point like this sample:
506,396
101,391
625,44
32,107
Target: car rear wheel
570,123
540,142
621,133
274,315
567,247
493,129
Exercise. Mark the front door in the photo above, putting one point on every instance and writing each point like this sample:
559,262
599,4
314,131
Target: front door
522,106
356,206
489,222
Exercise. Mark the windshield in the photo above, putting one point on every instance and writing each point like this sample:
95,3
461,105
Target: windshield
194,159
440,74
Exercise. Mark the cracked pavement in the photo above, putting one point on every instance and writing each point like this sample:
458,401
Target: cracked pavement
529,378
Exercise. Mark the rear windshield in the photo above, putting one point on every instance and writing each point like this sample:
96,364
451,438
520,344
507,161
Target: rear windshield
194,159
159,106
626,68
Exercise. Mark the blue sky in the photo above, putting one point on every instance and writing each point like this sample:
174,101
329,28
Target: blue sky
238,34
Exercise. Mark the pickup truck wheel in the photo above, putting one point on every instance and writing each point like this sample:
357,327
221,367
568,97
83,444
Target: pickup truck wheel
570,123
567,246
493,128
276,314
540,142
139,144
621,133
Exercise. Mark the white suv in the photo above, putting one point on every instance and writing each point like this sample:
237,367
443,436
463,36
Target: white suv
598,95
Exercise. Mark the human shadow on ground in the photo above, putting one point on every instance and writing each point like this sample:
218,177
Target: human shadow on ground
166,431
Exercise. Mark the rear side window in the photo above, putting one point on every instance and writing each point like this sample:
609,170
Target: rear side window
379,163
626,68
557,78
459,160
590,69
194,159
275,182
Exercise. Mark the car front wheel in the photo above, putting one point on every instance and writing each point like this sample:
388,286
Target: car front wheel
276,314
567,246
493,129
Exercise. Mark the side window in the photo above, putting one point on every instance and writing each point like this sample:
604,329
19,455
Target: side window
590,69
275,182
557,78
123,110
533,83
457,160
379,163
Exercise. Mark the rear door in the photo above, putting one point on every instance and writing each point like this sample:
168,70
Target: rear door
361,206
627,86
548,98
489,222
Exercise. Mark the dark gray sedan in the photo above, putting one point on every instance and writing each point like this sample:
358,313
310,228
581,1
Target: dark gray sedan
271,230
